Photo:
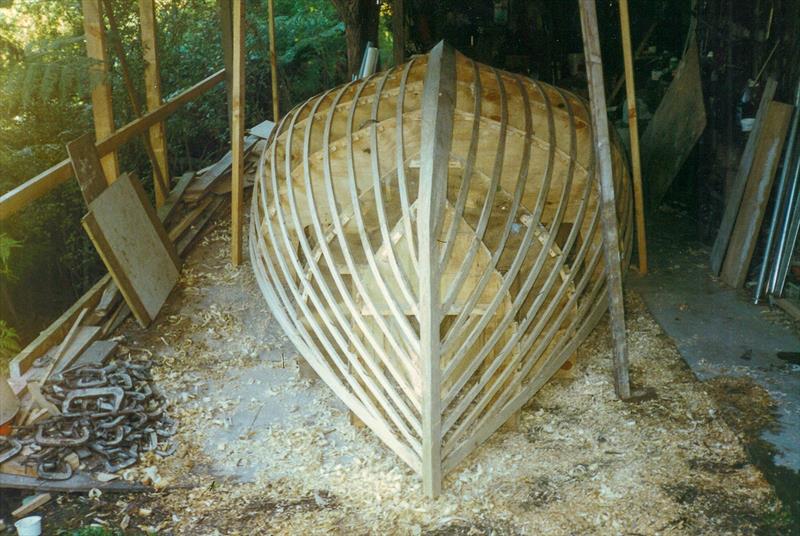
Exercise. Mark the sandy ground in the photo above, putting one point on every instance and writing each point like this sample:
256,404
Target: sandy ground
264,451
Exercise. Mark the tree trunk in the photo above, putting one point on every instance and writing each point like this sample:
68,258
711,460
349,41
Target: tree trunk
360,19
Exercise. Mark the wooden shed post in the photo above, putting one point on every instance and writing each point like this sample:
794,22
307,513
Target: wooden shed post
633,125
608,206
237,132
102,109
152,86
398,32
273,63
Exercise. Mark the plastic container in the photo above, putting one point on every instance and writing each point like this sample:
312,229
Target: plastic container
29,526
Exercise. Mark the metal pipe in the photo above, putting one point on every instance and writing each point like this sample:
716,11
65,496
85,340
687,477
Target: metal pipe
779,198
792,225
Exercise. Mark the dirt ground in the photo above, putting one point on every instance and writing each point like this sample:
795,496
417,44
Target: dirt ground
265,451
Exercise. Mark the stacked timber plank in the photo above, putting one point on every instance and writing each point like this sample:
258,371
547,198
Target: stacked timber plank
747,200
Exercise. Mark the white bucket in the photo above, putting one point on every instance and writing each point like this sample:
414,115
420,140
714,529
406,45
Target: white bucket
29,526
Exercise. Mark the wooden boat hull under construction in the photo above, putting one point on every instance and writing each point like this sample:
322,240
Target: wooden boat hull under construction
429,239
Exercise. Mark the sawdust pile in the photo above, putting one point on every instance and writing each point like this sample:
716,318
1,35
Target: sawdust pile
580,462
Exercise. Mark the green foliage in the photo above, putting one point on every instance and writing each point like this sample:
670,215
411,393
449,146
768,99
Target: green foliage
9,341
45,103
7,244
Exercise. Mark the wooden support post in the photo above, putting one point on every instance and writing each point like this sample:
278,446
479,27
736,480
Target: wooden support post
398,32
608,208
102,109
633,125
226,34
152,87
237,133
273,63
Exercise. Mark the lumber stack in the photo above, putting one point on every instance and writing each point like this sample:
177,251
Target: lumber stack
751,190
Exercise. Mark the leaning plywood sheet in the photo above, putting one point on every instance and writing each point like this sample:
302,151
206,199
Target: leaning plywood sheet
429,239
134,246
675,128
759,185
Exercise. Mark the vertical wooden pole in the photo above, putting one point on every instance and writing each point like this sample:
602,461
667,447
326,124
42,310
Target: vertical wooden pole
152,86
398,32
237,133
226,34
633,125
608,208
273,63
102,109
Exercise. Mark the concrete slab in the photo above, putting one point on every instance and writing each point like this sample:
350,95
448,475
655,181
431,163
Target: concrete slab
718,330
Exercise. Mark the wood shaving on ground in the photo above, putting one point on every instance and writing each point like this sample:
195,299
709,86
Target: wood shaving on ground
268,452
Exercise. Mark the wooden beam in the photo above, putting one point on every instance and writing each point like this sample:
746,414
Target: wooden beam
34,188
756,195
608,208
273,63
226,35
57,330
102,108
237,133
633,125
734,198
438,110
152,88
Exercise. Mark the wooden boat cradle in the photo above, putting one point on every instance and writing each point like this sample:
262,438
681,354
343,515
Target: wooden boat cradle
429,239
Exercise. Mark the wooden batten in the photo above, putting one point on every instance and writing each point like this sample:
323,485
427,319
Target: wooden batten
237,132
430,240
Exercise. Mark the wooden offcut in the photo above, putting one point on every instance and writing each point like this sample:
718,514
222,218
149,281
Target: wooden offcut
31,505
134,246
757,192
87,167
674,129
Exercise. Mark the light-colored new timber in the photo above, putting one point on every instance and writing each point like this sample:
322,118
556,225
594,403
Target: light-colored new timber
429,238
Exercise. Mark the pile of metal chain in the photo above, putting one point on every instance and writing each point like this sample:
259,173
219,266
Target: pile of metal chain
109,415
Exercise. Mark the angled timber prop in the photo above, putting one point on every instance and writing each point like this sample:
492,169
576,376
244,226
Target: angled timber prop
430,239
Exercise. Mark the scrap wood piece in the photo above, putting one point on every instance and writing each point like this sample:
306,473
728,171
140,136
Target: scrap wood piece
187,220
263,129
206,181
84,337
186,240
757,193
734,198
55,331
78,483
134,246
96,354
166,210
64,344
111,296
86,166
31,505
675,128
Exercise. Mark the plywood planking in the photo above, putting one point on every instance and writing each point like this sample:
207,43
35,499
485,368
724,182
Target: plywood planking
675,128
757,192
134,246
